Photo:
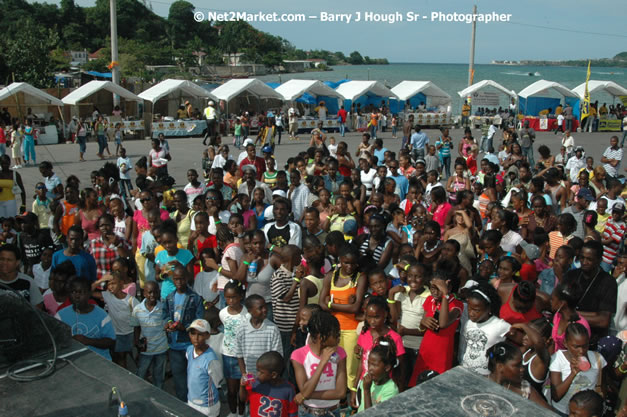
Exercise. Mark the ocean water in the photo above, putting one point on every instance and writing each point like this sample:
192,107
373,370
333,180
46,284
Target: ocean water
454,77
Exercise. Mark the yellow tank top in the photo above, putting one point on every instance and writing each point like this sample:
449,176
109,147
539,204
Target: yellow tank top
318,283
6,194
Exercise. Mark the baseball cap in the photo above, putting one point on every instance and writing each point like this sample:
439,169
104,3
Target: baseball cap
200,325
620,207
249,167
470,283
585,194
579,149
248,141
279,193
421,161
532,251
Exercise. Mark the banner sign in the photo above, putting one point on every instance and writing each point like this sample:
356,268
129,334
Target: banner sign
606,125
485,98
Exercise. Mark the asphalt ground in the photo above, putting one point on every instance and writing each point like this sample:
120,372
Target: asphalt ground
187,153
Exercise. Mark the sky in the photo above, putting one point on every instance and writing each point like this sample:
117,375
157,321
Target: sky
537,30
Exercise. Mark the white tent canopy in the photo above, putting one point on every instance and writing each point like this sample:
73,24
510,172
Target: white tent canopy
92,87
39,96
352,90
543,87
293,89
408,89
609,87
233,88
169,86
485,84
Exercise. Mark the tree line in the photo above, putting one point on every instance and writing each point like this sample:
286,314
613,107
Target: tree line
37,35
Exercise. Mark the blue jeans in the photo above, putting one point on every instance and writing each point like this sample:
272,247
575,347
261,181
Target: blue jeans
3,148
446,163
342,129
29,150
102,144
528,152
156,363
125,185
373,131
178,365
82,143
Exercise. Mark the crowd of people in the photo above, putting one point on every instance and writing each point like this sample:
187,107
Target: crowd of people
334,282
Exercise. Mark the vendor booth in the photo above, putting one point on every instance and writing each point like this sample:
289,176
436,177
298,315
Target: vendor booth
165,99
246,95
100,95
430,105
487,94
310,93
364,94
609,87
19,97
541,96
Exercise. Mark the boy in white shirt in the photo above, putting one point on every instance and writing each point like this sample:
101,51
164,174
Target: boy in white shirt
124,165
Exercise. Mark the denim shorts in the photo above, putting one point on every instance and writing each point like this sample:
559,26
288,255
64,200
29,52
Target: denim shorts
231,367
123,342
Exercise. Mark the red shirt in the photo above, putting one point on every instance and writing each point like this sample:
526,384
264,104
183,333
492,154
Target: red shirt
342,114
267,400
259,164
471,163
513,317
529,273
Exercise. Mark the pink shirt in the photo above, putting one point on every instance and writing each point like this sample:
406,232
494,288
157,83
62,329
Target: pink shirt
50,303
560,339
366,343
439,215
3,137
310,362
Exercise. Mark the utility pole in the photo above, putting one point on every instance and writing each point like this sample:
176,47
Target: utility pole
471,66
115,71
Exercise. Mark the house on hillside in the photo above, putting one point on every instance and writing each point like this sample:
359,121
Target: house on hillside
96,55
78,58
234,60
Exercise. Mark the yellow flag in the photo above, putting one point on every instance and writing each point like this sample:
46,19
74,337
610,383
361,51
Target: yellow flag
585,108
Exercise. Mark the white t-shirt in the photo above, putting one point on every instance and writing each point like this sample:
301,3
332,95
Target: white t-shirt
583,380
477,338
120,310
231,323
510,240
620,318
193,192
332,150
41,277
202,285
560,119
412,313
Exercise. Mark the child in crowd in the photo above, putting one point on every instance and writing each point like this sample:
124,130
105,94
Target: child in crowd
120,306
194,188
237,133
442,313
564,307
233,316
376,384
432,161
124,166
528,256
481,328
119,137
574,369
268,392
41,271
90,325
206,277
57,296
204,371
320,367
231,256
151,239
613,236
170,258
181,308
376,326
301,334
257,336
586,403
149,335
332,147
201,240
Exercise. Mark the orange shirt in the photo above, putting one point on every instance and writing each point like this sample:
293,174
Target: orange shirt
341,295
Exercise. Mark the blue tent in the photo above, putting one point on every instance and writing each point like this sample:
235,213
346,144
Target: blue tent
534,98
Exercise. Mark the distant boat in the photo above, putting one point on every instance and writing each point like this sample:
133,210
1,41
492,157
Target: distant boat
534,74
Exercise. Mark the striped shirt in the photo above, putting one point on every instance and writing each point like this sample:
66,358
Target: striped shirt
151,323
611,153
284,313
615,231
556,239
251,343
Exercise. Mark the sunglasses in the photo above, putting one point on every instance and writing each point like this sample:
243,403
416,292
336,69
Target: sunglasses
144,200
43,187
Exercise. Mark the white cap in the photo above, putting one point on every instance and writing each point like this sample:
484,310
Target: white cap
280,193
211,103
248,141
200,325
